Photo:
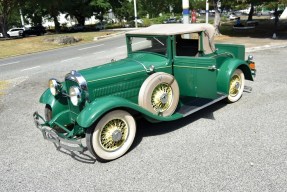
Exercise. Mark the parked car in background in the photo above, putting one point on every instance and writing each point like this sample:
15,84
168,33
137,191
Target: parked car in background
1,35
171,20
171,71
77,28
15,32
100,26
36,30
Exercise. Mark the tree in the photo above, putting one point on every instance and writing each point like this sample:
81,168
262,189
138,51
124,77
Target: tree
100,7
33,11
217,17
154,8
124,11
6,9
53,8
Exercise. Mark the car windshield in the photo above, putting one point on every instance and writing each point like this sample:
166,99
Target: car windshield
156,45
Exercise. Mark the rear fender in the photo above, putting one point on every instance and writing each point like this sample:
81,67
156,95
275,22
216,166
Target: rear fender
57,103
93,111
227,69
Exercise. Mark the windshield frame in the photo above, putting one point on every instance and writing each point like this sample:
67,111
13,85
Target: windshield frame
168,44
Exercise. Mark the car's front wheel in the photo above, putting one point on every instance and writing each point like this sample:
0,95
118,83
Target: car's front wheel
112,136
236,86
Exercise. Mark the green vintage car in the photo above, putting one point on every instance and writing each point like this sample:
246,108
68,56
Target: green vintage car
171,71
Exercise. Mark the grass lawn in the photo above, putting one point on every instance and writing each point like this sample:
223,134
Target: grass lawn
21,46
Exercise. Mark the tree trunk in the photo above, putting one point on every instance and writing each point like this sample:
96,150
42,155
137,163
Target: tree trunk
4,27
57,24
276,14
216,23
251,12
80,19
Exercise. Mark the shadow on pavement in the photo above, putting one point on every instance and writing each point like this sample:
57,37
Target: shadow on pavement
147,129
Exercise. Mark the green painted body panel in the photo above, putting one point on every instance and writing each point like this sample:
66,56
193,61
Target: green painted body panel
194,76
238,51
58,103
226,70
61,118
100,106
123,78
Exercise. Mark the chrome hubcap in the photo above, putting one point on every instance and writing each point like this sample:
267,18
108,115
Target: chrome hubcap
117,135
161,97
114,134
235,85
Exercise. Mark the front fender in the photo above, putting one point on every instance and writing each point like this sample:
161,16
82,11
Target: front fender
227,69
57,103
92,112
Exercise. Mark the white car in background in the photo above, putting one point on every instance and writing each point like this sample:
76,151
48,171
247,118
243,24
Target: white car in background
15,32
1,35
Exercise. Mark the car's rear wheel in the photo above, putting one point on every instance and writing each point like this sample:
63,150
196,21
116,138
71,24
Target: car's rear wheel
236,86
112,136
159,94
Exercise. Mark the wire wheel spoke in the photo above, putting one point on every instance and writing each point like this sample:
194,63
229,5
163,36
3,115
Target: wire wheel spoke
114,134
161,98
235,85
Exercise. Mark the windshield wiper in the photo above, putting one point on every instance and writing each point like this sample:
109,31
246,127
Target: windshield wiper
159,41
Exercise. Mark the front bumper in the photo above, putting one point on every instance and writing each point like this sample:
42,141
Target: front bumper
52,135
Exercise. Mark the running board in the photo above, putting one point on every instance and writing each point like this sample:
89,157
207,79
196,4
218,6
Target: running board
197,104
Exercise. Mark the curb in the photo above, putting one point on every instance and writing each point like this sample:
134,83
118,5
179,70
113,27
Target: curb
264,47
122,31
108,36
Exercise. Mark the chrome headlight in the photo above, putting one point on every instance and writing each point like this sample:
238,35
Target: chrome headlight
75,95
54,86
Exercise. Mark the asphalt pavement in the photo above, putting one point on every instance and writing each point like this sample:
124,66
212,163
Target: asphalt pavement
225,147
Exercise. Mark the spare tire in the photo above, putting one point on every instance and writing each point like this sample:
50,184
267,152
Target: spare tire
159,94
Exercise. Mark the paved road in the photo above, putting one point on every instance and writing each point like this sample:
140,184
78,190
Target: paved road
81,55
236,147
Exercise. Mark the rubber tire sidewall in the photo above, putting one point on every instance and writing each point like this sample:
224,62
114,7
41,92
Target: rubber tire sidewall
93,135
231,99
147,88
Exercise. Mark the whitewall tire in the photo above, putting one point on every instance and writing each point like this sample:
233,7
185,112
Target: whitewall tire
159,94
112,136
236,86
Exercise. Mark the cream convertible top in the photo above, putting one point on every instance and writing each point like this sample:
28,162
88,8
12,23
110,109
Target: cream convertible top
176,29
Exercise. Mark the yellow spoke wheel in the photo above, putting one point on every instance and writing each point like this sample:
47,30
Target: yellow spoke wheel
159,94
236,86
112,136
161,97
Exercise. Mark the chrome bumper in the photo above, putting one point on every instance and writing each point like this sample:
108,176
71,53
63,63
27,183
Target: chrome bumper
55,137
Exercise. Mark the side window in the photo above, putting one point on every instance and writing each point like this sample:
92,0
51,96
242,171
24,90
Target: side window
187,44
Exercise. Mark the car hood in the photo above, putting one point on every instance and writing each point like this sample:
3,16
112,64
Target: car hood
135,63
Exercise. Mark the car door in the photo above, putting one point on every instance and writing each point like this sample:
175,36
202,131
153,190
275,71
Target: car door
196,75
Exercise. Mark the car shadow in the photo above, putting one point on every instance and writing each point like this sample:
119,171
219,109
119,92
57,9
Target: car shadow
83,157
147,129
